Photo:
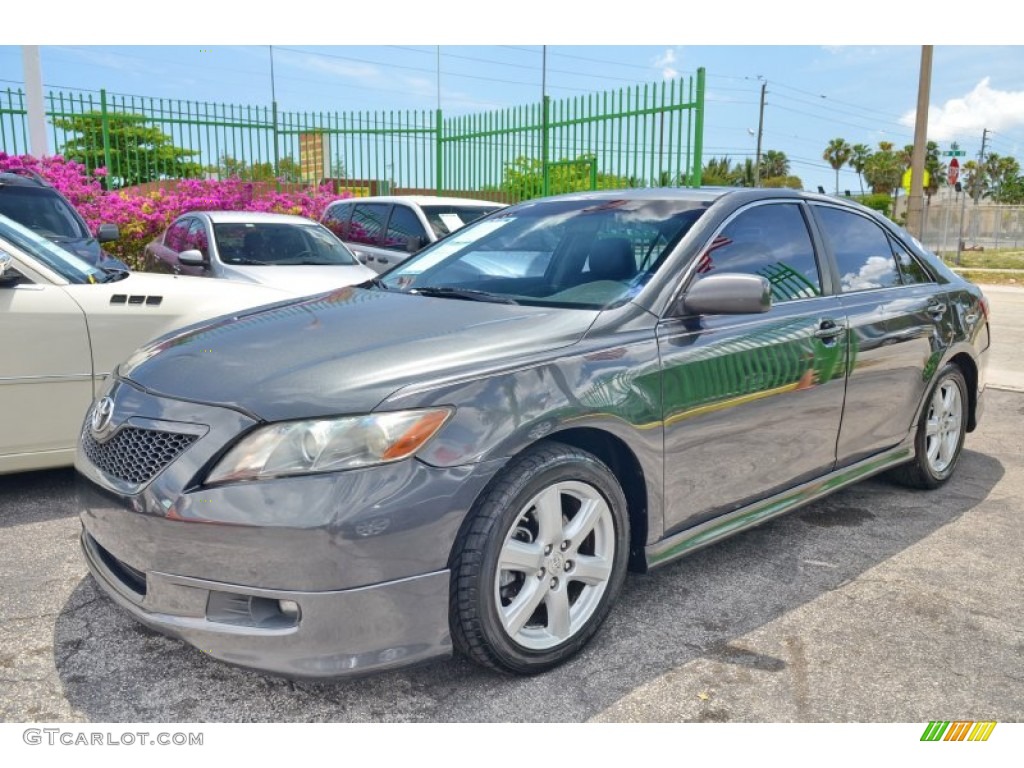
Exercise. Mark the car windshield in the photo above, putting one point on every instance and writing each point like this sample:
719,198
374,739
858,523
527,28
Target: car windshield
573,253
42,210
269,244
445,219
66,264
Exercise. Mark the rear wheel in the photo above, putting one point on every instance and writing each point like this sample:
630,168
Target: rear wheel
541,561
940,434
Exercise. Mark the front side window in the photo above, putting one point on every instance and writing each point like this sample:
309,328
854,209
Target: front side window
197,239
569,253
177,235
862,250
404,225
771,241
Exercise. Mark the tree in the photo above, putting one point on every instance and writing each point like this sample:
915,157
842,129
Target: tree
774,163
524,177
975,179
138,152
883,169
718,172
1001,171
837,154
287,170
859,154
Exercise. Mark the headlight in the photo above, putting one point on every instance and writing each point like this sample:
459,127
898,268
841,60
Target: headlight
327,445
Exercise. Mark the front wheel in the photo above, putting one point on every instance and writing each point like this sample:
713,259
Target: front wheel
541,561
940,434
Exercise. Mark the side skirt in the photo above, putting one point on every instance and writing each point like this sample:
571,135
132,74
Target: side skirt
692,539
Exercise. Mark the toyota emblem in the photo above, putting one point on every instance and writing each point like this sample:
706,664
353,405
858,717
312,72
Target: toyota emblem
102,414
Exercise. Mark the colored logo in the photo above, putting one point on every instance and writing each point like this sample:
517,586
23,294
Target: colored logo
959,730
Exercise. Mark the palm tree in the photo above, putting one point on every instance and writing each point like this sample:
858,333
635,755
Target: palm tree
718,172
837,154
883,169
858,159
774,163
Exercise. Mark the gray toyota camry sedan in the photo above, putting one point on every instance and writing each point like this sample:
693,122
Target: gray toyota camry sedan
471,450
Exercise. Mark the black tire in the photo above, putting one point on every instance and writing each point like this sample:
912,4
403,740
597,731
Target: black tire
937,454
484,611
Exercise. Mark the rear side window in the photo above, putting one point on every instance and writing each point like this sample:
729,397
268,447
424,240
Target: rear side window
911,270
771,241
336,219
862,249
368,221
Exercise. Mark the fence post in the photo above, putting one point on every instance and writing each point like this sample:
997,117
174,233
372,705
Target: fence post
439,132
698,132
105,128
277,160
545,189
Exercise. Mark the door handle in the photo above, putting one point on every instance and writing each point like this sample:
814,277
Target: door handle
938,308
827,329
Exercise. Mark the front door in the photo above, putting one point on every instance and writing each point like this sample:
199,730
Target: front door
753,403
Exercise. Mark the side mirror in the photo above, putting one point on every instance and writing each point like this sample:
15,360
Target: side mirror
8,274
192,258
108,233
728,293
414,243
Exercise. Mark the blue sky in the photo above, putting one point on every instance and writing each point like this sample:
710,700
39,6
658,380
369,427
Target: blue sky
816,90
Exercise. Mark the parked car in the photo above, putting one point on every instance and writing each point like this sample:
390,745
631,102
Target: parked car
66,324
289,252
479,465
30,200
386,230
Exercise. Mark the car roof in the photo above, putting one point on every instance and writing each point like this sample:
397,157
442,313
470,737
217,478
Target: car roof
250,217
14,178
424,200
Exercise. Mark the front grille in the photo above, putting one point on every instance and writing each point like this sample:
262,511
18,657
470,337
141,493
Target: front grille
136,455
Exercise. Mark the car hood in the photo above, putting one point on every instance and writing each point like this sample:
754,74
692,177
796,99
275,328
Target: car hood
302,280
345,351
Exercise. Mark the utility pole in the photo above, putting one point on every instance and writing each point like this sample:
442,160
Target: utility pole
981,167
760,133
915,207
977,181
37,143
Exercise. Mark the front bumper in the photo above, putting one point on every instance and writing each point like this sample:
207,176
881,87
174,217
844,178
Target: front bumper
359,558
335,633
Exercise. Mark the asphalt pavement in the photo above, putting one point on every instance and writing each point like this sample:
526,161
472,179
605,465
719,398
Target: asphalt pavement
878,604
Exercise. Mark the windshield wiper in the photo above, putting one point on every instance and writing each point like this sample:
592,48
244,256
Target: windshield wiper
246,262
113,274
374,282
445,292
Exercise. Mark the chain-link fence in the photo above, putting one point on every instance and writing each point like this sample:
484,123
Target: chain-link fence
985,226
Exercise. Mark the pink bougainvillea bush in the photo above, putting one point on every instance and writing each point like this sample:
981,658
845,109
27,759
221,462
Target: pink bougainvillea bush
141,215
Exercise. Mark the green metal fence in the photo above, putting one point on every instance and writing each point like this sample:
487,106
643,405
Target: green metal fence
645,135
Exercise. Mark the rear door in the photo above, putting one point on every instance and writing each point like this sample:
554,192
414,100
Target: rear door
753,403
899,323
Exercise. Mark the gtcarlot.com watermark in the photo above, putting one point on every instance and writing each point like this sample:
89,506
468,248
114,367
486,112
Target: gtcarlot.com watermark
75,738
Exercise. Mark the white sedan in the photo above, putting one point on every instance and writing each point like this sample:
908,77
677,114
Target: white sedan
290,252
66,325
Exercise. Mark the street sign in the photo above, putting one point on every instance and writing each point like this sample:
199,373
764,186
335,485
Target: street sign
954,153
907,178
954,172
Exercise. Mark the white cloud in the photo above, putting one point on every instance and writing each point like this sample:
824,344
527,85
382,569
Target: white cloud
665,63
984,107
